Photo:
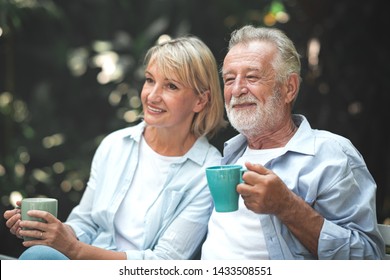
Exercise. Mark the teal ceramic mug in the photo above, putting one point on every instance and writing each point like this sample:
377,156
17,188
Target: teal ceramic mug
222,181
38,203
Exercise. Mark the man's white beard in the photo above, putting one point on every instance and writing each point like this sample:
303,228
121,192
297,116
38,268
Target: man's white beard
255,120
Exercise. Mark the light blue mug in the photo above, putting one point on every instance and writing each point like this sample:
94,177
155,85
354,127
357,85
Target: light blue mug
222,181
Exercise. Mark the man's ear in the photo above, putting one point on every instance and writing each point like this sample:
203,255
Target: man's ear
203,99
292,87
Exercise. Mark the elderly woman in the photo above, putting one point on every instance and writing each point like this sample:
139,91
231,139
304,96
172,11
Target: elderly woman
147,196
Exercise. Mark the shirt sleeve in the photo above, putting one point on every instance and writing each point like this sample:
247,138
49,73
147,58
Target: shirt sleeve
80,218
350,227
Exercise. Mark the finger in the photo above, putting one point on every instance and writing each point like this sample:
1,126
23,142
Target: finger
37,234
245,190
13,220
48,217
17,233
15,228
32,225
9,213
257,168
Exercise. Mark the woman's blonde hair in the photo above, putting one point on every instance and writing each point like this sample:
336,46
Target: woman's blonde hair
192,62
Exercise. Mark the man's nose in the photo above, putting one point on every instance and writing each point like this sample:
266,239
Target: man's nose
239,87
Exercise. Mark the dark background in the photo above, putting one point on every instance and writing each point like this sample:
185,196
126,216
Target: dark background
57,100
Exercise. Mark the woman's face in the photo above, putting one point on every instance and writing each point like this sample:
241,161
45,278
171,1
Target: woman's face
166,102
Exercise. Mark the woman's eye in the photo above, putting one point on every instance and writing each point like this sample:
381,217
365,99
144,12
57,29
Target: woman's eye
172,86
148,80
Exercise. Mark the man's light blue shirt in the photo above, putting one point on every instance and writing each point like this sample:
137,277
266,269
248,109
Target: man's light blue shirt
175,223
328,172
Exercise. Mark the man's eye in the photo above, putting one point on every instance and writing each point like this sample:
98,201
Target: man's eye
251,77
228,80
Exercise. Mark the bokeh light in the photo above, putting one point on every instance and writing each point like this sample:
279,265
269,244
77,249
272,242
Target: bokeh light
14,197
53,140
276,13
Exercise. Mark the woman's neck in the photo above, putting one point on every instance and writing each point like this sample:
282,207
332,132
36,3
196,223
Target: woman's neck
169,143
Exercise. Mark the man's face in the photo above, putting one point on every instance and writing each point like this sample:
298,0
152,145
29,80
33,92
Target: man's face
253,100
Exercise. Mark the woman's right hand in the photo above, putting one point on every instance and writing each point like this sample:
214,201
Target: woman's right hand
13,218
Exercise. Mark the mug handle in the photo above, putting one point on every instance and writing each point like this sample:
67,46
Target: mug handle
242,171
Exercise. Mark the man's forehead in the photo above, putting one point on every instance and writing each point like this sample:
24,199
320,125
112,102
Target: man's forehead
248,56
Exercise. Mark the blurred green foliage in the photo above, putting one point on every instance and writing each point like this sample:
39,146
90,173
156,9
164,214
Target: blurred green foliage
71,72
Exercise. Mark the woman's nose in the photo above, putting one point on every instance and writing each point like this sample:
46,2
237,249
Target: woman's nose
155,93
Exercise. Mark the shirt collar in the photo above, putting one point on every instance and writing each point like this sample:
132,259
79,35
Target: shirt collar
303,140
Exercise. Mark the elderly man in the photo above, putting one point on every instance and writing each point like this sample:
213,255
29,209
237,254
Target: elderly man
307,193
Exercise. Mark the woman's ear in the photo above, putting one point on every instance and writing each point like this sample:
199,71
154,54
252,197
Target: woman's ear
203,99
